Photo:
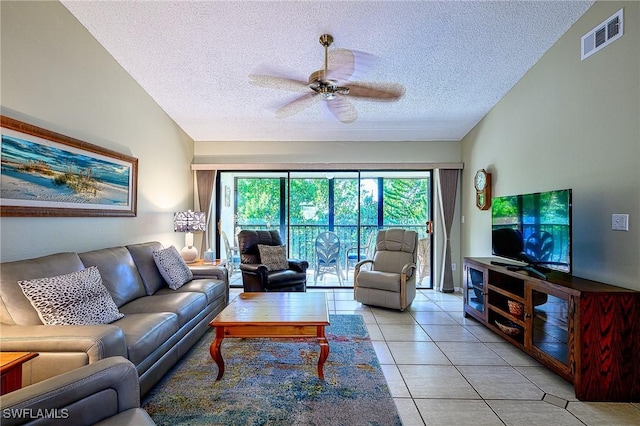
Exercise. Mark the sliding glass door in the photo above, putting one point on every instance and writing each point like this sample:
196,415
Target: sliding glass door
261,203
353,205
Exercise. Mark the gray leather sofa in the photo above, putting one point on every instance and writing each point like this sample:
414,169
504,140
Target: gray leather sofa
103,393
159,325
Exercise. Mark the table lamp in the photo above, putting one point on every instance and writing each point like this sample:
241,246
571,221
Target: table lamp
189,222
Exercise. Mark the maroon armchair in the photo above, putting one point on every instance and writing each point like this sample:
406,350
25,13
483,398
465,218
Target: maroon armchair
256,276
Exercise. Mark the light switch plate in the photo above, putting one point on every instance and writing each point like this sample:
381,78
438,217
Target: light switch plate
620,222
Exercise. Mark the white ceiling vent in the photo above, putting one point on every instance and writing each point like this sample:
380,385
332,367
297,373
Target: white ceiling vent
605,33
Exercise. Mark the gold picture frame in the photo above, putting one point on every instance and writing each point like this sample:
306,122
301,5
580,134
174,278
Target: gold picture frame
48,174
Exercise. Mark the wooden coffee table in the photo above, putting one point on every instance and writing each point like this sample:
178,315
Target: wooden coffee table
281,315
11,369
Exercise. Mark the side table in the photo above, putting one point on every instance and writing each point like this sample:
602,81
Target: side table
201,262
11,369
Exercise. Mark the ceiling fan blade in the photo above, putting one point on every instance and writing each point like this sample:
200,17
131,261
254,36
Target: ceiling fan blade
345,65
298,104
281,83
342,109
381,92
341,64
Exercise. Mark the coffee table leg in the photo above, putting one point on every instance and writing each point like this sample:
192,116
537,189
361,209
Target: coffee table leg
215,351
324,351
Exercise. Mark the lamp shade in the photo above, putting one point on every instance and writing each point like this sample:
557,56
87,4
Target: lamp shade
189,221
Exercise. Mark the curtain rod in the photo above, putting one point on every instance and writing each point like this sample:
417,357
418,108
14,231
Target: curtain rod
326,166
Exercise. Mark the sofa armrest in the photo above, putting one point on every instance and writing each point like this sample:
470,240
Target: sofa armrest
298,265
209,271
97,341
408,269
360,264
82,396
254,268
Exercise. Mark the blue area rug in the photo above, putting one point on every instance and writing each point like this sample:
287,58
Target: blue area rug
275,382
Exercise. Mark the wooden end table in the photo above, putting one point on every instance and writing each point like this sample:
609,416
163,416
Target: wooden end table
275,315
11,369
202,262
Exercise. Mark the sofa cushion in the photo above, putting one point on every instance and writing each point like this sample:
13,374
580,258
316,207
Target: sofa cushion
184,304
78,298
284,278
15,308
172,267
119,273
146,332
143,257
387,281
212,289
273,257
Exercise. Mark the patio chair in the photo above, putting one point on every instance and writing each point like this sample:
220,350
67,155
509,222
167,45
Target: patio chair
233,259
424,258
366,252
327,255
391,282
273,274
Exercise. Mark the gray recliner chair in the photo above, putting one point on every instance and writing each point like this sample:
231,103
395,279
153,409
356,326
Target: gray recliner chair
105,392
391,282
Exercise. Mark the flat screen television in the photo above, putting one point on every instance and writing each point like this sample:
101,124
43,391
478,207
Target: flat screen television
534,228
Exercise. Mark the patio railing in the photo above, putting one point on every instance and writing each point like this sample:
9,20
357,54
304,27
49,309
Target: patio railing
302,238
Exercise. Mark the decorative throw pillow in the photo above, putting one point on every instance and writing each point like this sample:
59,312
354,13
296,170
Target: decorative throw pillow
172,267
273,257
78,298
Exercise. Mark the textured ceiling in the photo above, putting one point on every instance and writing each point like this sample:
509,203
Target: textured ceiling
456,59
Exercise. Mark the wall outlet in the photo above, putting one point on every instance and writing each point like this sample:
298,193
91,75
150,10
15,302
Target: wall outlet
453,266
620,222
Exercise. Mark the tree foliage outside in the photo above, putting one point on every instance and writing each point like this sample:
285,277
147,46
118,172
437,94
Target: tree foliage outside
258,201
405,201
311,194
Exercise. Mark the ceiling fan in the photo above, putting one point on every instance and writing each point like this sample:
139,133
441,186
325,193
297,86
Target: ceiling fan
332,85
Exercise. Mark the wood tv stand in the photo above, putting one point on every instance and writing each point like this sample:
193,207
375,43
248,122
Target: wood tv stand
587,332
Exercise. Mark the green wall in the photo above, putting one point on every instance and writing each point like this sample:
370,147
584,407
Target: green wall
570,124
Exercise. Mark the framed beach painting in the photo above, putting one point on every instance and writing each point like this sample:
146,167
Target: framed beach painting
49,174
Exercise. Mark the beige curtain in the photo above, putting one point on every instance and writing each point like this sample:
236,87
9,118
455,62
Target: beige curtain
448,186
205,179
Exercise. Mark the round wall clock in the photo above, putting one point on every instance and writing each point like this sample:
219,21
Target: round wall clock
482,184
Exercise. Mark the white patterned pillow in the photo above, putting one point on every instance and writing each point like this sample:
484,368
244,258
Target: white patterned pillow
78,298
273,257
172,267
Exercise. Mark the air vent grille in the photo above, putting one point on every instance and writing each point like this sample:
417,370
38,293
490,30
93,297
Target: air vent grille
613,26
602,35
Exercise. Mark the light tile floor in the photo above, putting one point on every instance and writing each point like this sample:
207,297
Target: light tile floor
444,369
